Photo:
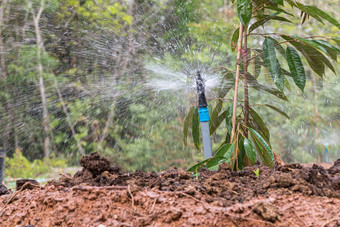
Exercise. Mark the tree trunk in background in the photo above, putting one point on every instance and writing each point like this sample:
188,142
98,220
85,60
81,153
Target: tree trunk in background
68,119
123,64
40,45
316,113
7,106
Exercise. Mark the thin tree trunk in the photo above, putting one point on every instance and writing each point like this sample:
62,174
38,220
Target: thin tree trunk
68,119
245,80
6,133
123,63
46,123
316,113
239,48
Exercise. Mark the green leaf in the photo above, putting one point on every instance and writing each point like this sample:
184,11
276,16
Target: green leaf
325,16
241,155
222,155
244,11
198,166
287,84
278,110
332,51
217,122
228,119
278,10
305,9
263,149
267,18
272,63
250,151
255,84
195,128
259,123
257,67
234,39
278,47
225,151
227,84
186,125
279,2
310,54
296,67
309,42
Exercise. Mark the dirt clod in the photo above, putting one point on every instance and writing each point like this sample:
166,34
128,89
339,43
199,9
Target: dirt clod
4,190
266,211
22,182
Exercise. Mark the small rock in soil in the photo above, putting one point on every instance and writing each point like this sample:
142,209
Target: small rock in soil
267,211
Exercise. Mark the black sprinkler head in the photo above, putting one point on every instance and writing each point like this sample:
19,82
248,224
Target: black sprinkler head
202,102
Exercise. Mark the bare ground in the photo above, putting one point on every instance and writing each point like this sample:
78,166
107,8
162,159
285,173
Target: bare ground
101,195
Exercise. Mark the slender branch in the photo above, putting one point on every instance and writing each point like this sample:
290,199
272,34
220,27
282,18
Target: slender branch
68,119
239,47
258,8
245,81
279,34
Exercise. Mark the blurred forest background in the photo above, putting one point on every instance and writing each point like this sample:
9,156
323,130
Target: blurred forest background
73,75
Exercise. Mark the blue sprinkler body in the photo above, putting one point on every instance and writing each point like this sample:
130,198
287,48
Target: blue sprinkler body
204,116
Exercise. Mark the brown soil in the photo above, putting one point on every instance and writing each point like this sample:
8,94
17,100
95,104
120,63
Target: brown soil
101,195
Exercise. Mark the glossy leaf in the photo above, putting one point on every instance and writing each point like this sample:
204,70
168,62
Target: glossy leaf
296,67
244,11
272,63
278,110
305,9
278,47
257,67
218,122
222,155
234,39
332,51
310,54
195,128
267,18
287,84
227,84
325,16
250,151
279,2
225,151
260,124
263,149
309,42
255,84
198,166
228,118
278,10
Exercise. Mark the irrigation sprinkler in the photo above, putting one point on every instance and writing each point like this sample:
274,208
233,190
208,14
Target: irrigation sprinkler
204,116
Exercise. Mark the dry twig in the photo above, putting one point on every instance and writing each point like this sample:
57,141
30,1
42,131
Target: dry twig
16,193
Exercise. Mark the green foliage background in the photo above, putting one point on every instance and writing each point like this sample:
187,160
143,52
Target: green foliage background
95,51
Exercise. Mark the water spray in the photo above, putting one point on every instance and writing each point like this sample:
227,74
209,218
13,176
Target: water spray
204,116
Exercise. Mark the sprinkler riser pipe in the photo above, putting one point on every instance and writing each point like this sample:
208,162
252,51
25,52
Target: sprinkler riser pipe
203,113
